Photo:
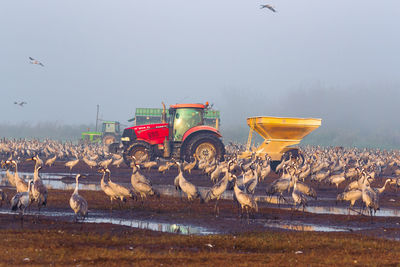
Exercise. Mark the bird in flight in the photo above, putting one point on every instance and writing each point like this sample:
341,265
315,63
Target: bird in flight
34,61
22,103
269,7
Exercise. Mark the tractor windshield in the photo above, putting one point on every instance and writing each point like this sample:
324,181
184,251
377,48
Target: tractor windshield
186,118
108,127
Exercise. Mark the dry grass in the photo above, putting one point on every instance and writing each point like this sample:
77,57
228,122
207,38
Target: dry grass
64,243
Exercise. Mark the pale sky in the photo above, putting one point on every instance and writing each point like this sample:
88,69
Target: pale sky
248,61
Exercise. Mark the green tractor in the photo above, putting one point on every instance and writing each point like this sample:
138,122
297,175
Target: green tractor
110,133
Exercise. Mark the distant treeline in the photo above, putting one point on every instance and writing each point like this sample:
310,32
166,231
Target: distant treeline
51,130
323,136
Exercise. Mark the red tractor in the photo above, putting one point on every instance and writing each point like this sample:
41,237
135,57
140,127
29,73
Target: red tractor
183,137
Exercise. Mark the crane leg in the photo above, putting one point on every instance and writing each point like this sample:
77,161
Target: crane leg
248,216
215,209
371,214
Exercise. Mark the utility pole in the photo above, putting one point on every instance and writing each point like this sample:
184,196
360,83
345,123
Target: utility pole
97,115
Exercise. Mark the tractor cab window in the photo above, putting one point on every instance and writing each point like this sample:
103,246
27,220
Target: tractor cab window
108,127
186,118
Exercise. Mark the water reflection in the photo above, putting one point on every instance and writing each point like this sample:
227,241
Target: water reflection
300,226
344,211
96,217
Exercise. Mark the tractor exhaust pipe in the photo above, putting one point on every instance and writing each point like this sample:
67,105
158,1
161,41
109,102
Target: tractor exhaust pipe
167,150
164,114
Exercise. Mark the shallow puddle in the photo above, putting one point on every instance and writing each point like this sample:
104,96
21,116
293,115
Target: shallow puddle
299,226
383,212
55,181
97,217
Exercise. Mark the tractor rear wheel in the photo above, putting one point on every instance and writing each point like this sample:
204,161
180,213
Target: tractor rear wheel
205,146
109,139
140,150
293,152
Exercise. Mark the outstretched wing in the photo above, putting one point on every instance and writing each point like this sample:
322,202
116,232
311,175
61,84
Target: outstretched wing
269,7
31,58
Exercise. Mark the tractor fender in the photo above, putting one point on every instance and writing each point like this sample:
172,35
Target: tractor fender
201,128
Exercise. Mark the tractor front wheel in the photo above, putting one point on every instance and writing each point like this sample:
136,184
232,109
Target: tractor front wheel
141,151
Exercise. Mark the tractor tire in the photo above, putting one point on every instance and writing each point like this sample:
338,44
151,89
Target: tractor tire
294,152
274,164
140,150
206,146
114,148
109,139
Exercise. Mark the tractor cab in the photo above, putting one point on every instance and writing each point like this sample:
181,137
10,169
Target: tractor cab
184,117
110,132
111,127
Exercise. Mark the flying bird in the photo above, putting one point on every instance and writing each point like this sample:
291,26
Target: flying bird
22,103
269,7
34,61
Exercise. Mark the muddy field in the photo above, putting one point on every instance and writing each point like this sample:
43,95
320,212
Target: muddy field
190,233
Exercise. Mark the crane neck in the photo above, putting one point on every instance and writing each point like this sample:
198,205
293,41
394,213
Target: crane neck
16,168
380,190
29,187
76,185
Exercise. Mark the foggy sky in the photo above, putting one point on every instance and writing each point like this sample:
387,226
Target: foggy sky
326,59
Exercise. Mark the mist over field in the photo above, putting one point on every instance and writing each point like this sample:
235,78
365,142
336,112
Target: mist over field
360,115
43,130
357,115
338,61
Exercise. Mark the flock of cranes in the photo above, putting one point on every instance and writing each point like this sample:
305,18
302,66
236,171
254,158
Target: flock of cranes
298,176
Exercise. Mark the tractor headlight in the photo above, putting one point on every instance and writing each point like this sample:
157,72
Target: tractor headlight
125,138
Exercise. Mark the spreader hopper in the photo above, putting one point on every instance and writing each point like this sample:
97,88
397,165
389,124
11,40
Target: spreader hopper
279,134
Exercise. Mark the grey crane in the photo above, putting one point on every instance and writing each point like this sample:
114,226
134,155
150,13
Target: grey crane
246,201
21,103
20,184
39,190
190,166
352,196
279,186
21,200
189,189
36,62
78,203
269,7
50,161
141,185
113,190
216,191
299,198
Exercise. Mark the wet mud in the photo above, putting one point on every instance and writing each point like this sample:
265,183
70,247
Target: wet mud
170,213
